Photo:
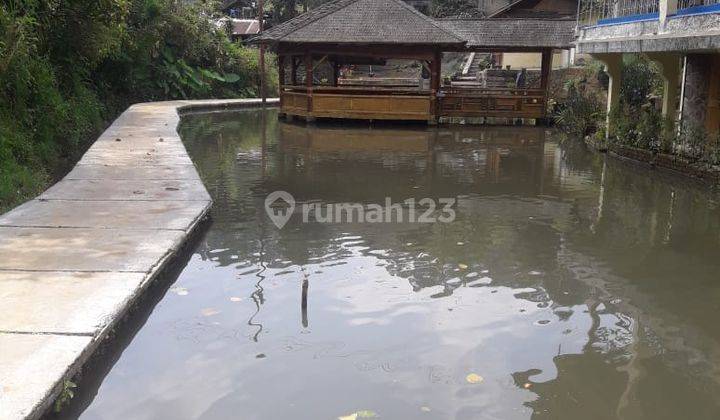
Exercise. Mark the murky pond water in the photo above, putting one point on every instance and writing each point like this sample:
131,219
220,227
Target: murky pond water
567,287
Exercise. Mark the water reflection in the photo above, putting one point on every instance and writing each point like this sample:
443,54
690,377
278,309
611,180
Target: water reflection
576,287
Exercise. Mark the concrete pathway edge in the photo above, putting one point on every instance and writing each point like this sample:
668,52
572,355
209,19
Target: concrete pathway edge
75,259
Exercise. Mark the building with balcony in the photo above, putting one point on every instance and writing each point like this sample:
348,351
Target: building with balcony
682,36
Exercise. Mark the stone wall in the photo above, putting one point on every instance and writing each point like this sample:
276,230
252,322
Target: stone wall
697,84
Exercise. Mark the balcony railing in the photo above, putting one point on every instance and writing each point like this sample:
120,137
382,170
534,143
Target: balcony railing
593,12
599,12
685,6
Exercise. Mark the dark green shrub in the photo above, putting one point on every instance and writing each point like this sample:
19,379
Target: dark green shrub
640,78
68,67
581,113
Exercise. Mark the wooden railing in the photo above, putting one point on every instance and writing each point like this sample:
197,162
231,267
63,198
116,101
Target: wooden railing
359,90
491,102
379,102
367,102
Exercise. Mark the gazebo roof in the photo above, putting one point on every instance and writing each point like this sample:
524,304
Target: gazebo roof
513,32
362,22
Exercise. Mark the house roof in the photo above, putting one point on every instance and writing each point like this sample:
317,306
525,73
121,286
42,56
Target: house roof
240,27
513,32
245,26
362,22
394,22
537,9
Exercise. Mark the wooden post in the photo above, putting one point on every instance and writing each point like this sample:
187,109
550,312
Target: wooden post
281,69
545,69
293,69
261,6
309,83
281,78
434,86
303,302
336,73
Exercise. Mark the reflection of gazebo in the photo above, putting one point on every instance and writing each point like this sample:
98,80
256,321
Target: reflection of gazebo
372,31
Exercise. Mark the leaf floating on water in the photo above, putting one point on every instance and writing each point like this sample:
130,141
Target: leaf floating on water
209,312
474,378
180,291
425,409
235,299
463,266
352,416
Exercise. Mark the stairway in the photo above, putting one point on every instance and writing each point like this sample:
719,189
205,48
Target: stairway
475,66
470,78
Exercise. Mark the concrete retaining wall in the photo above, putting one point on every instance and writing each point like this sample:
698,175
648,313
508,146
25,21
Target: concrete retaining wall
73,260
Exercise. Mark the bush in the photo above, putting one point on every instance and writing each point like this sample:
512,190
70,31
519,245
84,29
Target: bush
68,67
581,113
640,79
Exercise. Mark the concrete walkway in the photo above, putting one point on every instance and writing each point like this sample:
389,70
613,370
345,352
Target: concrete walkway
73,260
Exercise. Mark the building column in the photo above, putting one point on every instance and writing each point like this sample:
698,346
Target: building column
695,89
670,69
667,8
613,67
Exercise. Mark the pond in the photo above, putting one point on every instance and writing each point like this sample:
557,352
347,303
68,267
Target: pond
568,285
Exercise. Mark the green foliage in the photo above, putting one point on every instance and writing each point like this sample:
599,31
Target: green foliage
640,78
447,8
66,394
694,142
581,113
68,67
640,129
637,122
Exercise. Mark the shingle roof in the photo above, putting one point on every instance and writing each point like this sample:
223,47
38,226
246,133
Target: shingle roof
394,22
529,9
500,32
362,21
245,26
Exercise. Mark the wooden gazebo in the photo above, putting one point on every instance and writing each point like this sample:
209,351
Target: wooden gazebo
371,31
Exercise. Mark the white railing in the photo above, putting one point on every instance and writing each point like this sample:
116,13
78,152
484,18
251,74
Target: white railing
590,12
686,4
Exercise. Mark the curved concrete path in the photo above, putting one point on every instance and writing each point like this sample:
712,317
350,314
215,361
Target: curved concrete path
73,260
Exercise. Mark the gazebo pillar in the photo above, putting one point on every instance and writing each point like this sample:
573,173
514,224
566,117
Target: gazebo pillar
309,84
435,86
281,78
545,68
293,70
336,73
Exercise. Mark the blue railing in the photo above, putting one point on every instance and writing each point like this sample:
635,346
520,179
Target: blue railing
606,12
696,7
613,12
